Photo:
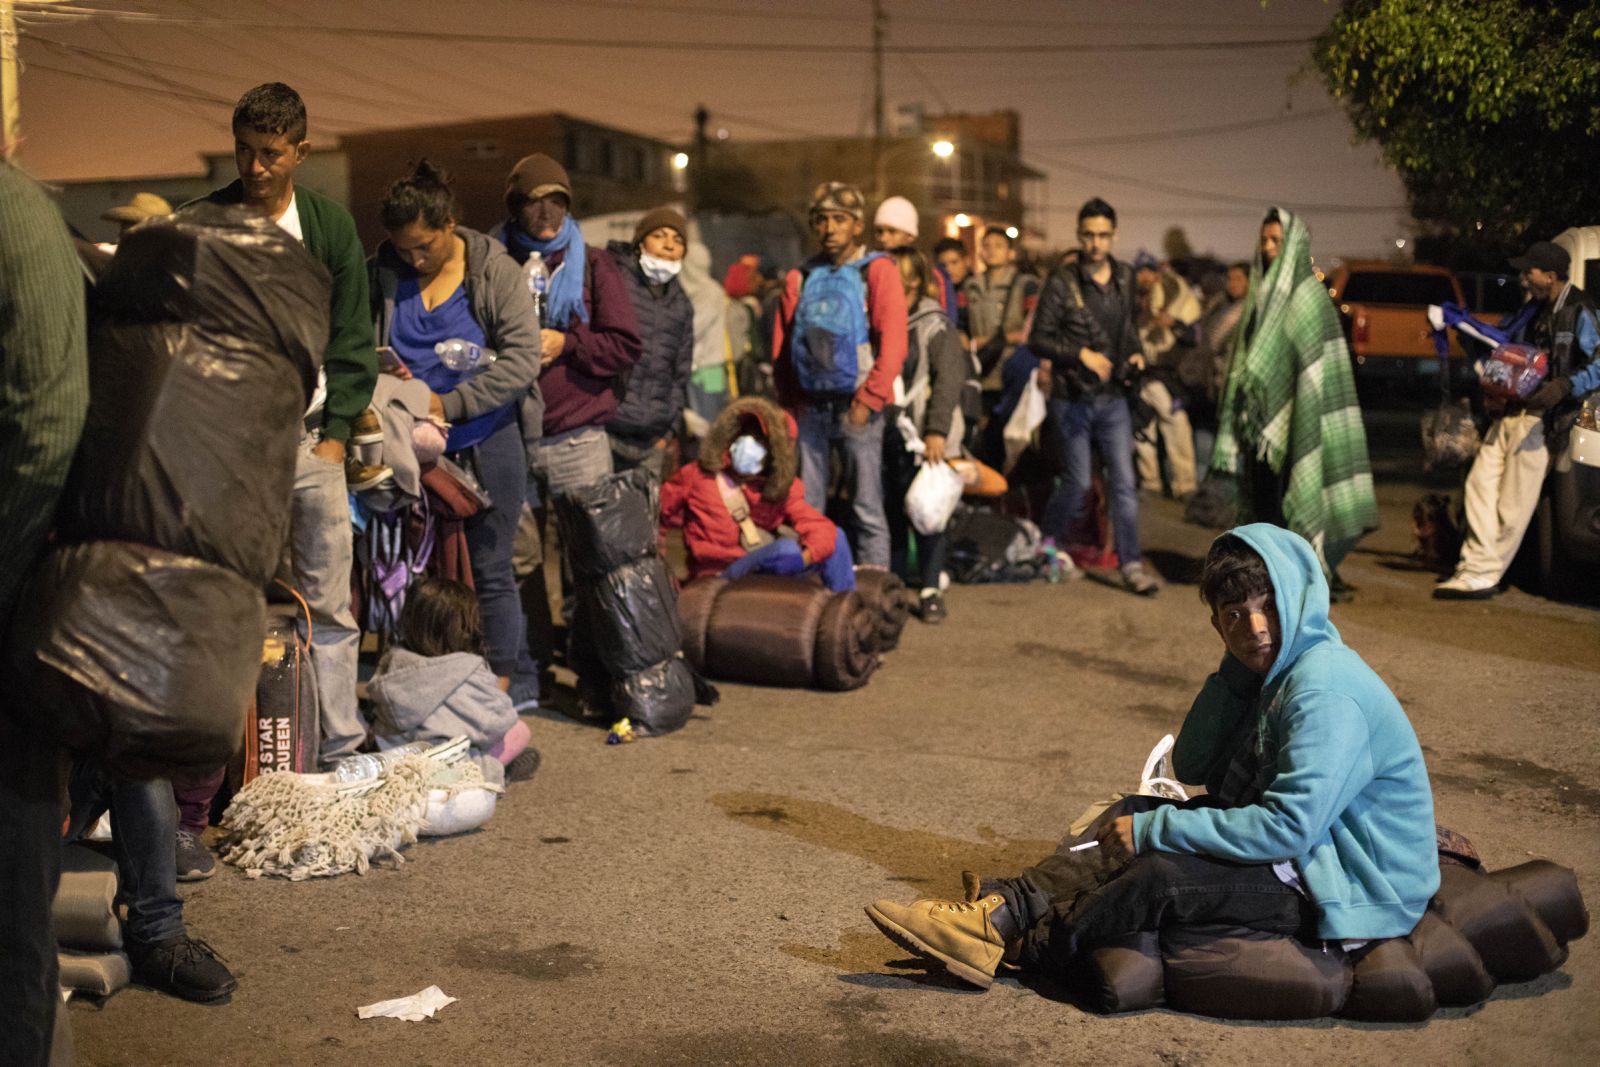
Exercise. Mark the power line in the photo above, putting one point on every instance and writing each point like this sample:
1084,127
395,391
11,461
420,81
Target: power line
648,45
1182,134
1206,194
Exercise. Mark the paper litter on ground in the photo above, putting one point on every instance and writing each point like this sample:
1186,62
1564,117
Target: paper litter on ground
412,1009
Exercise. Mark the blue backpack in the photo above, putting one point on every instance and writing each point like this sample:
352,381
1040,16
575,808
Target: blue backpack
832,349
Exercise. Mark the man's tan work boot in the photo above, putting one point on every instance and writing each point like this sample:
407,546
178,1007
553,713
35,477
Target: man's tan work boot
956,934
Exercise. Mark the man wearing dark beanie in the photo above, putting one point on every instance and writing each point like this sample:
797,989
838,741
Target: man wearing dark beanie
658,386
590,339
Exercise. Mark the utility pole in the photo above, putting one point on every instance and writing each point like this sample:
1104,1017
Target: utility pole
12,109
880,23
10,99
697,161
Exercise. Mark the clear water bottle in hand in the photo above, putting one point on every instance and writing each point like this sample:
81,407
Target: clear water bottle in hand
537,274
458,355
365,765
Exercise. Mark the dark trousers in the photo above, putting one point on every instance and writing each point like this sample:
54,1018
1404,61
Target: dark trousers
31,780
1068,902
899,468
502,467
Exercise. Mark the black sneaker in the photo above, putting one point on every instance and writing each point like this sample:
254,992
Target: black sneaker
195,861
522,768
932,609
185,967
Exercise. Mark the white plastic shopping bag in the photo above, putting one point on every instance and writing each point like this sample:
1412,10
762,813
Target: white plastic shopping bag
933,496
1154,781
1024,422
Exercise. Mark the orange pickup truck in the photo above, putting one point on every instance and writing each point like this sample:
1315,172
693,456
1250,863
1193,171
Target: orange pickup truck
1384,309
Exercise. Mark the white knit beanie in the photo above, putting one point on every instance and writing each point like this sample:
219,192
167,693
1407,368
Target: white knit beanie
898,212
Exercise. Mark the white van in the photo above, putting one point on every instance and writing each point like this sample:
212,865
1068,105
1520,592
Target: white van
1582,243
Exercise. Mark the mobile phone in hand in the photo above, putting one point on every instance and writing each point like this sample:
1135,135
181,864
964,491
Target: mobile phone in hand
388,360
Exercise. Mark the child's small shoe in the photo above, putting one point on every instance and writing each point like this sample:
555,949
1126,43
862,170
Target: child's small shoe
367,429
361,476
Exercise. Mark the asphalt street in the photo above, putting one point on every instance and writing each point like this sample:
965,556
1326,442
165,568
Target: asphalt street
697,899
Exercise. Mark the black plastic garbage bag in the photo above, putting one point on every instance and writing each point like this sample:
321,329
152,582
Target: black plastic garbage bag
635,621
609,523
657,700
228,270
140,657
189,445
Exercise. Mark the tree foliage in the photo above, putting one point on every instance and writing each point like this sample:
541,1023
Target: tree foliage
1488,109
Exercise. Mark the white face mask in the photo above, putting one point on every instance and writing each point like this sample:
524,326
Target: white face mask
747,455
659,271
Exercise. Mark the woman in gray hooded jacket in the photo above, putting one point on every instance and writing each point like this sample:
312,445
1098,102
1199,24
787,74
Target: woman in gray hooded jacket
453,307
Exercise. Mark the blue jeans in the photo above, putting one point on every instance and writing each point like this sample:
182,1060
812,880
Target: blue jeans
822,424
144,833
321,550
502,468
1101,421
782,557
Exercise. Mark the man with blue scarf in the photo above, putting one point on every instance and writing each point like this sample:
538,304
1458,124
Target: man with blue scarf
589,341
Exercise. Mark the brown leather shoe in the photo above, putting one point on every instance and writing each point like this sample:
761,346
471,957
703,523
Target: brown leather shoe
363,476
366,428
957,935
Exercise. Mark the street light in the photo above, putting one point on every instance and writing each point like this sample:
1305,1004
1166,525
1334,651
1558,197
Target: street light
680,161
943,149
963,220
1012,232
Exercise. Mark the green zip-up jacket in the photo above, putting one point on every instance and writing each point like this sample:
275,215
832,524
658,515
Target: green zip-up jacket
44,372
350,362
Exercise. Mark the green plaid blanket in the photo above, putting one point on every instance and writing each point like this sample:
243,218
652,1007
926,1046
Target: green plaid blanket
1289,400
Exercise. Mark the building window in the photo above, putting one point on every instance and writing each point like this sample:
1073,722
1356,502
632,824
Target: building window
608,157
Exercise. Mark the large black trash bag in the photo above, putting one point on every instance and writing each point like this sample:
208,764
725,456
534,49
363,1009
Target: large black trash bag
142,658
227,270
627,610
635,624
657,700
189,445
610,522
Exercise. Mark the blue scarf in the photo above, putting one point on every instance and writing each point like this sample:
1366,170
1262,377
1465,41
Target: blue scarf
565,297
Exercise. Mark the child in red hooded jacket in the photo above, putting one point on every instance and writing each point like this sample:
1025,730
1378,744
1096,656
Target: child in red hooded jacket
742,507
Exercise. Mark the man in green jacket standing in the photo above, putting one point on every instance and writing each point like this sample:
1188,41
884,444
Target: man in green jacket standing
44,394
269,143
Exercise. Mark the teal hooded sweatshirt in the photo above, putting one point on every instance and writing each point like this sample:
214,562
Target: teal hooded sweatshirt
1349,803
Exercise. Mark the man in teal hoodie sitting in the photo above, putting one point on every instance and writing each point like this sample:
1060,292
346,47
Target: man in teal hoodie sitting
1317,819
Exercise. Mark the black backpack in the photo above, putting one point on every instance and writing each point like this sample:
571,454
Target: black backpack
986,547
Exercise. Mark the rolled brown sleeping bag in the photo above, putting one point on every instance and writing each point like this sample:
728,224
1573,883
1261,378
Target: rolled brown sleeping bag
97,974
1553,892
1234,973
763,630
144,659
845,653
1389,985
1514,943
885,594
1454,968
695,603
1123,974
84,910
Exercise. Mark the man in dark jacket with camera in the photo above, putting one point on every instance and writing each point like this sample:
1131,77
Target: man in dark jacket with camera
1089,358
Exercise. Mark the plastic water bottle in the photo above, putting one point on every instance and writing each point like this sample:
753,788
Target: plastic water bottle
538,278
365,765
457,354
1052,562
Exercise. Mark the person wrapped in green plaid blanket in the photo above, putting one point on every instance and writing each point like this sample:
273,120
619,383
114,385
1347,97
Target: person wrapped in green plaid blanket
1290,439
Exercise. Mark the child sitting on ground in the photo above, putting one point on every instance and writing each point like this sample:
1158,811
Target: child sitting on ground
435,684
1317,820
734,503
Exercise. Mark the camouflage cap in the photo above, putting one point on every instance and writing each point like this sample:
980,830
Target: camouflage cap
838,196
